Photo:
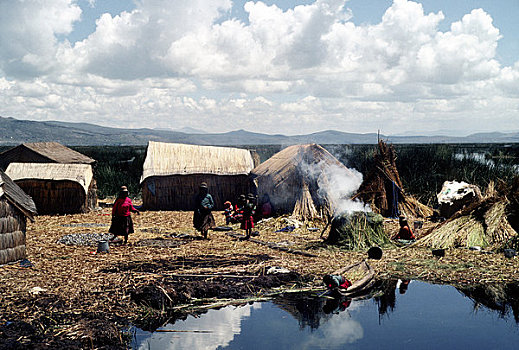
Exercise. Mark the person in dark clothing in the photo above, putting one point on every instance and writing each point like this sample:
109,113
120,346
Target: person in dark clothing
248,215
122,224
203,219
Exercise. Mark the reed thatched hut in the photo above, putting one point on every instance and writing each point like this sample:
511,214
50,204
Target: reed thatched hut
42,152
173,172
15,207
56,188
300,180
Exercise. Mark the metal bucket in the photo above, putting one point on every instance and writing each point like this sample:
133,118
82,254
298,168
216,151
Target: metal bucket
103,247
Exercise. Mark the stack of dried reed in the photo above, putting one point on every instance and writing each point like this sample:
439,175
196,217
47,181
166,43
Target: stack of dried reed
484,224
304,207
358,231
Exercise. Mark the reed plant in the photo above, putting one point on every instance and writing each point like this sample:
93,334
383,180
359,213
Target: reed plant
116,166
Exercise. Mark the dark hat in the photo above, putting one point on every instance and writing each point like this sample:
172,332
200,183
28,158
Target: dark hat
203,185
251,196
123,189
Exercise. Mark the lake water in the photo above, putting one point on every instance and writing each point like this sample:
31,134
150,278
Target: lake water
423,316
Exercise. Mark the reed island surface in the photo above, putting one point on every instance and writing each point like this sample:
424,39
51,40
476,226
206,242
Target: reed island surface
67,295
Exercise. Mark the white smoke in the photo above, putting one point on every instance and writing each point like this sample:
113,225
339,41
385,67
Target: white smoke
337,184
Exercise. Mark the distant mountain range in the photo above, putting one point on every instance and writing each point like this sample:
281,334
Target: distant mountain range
14,132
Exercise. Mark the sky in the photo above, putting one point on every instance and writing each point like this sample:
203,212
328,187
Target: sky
400,67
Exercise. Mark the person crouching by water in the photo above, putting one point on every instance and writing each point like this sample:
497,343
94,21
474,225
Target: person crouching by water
203,219
248,215
336,282
122,224
405,232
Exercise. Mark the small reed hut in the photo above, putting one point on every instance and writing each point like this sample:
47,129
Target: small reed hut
172,173
15,207
382,188
292,180
42,152
56,188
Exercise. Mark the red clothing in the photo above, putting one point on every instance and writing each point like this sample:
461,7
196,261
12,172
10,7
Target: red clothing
247,223
345,284
405,233
266,209
123,207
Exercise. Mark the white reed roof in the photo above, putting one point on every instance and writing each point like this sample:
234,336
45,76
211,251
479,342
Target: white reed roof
80,173
163,159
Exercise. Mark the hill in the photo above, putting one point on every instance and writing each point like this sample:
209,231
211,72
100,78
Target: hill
16,131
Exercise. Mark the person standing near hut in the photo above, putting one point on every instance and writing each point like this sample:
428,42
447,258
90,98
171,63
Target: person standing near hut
122,224
405,232
248,215
203,219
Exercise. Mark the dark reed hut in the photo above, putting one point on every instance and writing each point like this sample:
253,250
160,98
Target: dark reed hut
42,152
382,188
173,172
298,181
56,188
15,207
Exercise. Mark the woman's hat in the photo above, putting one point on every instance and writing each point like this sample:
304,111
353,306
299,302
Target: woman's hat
203,185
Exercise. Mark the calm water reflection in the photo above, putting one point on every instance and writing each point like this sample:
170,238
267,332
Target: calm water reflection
419,316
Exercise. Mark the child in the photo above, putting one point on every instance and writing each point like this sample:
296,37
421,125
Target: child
238,209
228,212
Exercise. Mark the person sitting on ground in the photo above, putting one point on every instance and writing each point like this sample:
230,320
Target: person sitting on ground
405,232
122,224
248,212
227,212
266,207
203,219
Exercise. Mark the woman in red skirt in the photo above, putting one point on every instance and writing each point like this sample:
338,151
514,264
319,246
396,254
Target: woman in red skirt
122,224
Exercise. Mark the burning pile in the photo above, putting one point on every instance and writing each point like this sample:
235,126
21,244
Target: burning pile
358,231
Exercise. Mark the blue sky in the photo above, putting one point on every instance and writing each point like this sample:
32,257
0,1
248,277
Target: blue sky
402,67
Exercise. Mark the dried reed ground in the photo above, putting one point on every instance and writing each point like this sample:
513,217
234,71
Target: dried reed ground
76,282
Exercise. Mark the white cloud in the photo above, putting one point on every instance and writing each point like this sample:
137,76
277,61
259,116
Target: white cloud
28,34
310,66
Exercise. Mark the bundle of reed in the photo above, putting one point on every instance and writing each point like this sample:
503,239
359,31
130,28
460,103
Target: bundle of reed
485,225
358,231
304,207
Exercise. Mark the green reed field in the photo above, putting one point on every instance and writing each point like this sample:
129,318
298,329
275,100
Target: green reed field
423,168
